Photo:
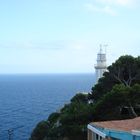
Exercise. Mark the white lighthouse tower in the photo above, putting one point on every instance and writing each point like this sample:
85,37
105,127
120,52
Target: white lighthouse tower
101,66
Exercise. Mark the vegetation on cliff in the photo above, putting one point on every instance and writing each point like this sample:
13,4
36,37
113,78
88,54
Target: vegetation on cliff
115,96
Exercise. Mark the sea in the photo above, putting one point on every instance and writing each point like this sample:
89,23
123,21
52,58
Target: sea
26,99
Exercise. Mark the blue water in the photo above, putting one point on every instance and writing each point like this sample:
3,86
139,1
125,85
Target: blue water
27,99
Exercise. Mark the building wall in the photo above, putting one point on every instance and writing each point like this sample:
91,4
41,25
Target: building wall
120,135
90,135
136,138
99,73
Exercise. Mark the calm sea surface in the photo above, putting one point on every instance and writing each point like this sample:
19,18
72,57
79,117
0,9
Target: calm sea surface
27,99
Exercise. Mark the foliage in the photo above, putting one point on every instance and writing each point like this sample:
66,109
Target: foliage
53,117
76,113
126,70
134,95
40,131
109,107
80,98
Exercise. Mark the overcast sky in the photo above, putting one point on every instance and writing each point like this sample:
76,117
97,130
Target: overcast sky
63,36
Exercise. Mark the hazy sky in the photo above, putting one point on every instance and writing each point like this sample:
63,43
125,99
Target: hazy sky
63,36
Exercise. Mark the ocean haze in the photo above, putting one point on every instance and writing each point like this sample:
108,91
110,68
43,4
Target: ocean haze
27,99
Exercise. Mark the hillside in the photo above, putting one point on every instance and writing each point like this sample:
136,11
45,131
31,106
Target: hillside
115,96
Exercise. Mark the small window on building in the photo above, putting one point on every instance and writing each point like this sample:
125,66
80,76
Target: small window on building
101,138
97,137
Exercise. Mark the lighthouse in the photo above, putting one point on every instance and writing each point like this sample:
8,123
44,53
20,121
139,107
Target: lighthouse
101,66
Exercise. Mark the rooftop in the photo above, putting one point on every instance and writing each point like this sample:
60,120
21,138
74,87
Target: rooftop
120,125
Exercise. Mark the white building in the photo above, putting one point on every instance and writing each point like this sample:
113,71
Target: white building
101,66
127,129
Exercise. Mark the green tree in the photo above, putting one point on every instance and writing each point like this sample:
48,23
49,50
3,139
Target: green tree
53,117
80,98
74,118
126,70
110,105
40,131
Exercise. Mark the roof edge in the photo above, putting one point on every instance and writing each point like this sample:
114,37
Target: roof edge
135,132
93,129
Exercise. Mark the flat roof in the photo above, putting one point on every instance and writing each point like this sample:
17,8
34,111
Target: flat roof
120,125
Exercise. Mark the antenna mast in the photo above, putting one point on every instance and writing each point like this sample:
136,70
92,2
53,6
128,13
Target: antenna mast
106,45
